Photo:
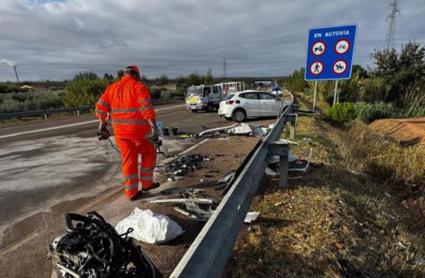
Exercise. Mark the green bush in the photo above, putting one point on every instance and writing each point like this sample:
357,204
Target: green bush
342,113
369,112
155,93
23,102
178,93
82,92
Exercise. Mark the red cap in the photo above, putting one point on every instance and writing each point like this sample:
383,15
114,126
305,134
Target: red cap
132,68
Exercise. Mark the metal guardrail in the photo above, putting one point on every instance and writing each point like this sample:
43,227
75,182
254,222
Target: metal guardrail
208,254
46,113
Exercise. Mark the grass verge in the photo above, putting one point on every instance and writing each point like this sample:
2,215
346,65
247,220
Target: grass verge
338,220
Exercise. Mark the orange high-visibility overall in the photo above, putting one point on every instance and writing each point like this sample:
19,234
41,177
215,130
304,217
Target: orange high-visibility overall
129,106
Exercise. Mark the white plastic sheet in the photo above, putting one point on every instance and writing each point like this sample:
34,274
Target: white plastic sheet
249,130
149,227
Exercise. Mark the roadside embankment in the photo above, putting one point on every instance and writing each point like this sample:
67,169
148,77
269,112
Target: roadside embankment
341,218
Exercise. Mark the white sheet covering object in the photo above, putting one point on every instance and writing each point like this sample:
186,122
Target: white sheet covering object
249,130
149,227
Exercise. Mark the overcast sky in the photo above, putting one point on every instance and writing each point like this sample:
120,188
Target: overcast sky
55,39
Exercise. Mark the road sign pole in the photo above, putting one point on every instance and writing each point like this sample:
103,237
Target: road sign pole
315,96
335,92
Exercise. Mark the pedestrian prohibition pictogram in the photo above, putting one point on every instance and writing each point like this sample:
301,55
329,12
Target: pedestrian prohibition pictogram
330,53
316,68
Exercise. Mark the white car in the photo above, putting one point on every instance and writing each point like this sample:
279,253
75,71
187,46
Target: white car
250,104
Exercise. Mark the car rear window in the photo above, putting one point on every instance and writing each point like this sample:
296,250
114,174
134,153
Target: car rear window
249,96
229,96
267,96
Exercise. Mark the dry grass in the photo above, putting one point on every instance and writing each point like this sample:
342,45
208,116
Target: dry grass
336,221
379,157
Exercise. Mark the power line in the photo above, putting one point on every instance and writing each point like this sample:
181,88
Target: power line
390,38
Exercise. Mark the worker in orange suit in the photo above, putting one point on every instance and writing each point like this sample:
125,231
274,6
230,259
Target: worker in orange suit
127,103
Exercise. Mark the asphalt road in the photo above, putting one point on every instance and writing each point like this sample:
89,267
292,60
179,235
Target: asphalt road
47,162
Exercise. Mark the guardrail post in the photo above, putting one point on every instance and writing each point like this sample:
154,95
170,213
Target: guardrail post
45,116
281,148
291,118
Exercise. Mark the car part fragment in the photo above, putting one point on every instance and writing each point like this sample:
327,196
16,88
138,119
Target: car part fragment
91,248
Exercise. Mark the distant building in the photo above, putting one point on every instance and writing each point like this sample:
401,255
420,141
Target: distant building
27,88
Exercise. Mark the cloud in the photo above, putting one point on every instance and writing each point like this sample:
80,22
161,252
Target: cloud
7,62
55,39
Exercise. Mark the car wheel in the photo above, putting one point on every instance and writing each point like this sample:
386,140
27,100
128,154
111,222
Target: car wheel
210,108
194,110
239,115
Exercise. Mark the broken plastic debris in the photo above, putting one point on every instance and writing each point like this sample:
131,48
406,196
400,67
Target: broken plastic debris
251,216
183,165
149,227
419,261
270,172
249,130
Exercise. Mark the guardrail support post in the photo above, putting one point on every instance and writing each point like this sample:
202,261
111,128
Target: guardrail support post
281,148
291,118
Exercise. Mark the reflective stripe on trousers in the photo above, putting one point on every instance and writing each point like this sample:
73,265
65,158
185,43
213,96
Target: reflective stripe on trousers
130,149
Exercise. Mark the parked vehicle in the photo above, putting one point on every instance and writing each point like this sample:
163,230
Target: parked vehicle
251,104
232,87
203,97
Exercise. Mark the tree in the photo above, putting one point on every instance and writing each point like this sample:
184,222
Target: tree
84,89
120,73
295,82
403,74
86,75
163,80
193,79
108,76
362,72
208,78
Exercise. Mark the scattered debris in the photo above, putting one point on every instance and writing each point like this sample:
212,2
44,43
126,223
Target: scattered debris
295,163
419,261
183,165
149,227
197,208
270,172
237,129
251,216
249,130
226,180
92,248
216,131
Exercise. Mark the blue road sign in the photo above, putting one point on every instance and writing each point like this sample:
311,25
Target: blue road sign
330,53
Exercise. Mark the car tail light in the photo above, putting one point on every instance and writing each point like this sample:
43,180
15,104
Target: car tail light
230,102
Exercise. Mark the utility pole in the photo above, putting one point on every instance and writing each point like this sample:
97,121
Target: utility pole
224,67
16,73
390,38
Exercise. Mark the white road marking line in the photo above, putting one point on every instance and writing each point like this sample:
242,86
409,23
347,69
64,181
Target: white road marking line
72,125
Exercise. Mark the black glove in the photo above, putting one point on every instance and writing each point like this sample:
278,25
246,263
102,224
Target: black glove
103,133
153,137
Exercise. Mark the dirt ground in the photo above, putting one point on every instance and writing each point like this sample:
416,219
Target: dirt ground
25,251
333,222
403,130
225,156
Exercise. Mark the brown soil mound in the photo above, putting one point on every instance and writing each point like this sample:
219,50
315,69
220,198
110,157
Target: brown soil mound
403,130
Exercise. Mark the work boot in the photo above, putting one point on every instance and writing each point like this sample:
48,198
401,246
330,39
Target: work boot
137,196
155,185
